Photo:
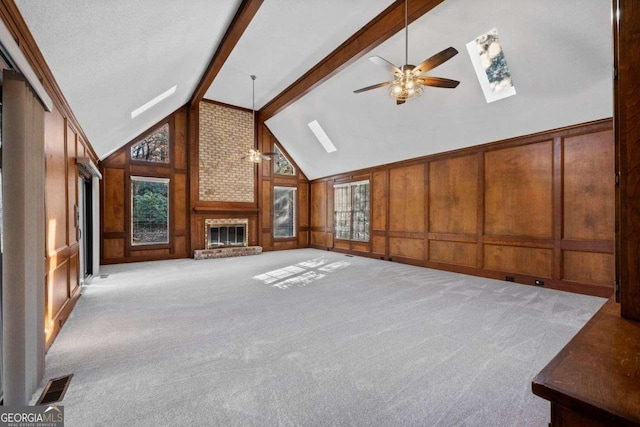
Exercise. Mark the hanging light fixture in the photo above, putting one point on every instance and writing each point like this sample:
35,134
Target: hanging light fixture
254,155
406,85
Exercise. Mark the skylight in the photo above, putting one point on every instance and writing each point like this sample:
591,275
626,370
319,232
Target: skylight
135,113
322,136
491,66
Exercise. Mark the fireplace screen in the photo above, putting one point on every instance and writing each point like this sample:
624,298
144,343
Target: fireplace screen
224,233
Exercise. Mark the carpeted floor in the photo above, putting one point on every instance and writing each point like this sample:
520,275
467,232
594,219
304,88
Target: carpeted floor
308,338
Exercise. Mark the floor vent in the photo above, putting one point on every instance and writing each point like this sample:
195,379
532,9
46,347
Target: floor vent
104,276
350,256
54,390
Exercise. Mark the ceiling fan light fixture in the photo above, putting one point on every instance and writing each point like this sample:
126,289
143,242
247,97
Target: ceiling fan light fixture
405,86
254,156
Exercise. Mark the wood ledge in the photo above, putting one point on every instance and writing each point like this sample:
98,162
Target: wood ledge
597,374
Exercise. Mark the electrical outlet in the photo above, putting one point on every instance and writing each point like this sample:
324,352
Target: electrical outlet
510,279
539,282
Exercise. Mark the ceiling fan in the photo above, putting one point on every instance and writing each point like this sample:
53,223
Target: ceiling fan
254,155
408,81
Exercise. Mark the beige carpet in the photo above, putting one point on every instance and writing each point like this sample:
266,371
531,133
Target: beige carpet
308,338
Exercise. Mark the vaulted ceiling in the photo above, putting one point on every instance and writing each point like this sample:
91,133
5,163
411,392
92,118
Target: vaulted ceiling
111,57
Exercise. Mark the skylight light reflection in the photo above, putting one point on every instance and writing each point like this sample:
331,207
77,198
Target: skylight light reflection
322,136
135,113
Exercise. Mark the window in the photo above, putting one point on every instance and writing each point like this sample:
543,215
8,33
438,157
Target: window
281,165
284,212
153,148
351,205
149,210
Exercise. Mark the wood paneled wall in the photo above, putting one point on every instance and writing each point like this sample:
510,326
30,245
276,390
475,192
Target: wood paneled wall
115,198
63,145
540,207
64,141
268,180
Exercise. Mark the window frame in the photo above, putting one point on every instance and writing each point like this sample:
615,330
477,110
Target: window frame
349,211
166,181
142,137
294,190
278,151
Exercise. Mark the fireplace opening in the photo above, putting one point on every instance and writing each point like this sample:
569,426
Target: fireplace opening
222,233
226,235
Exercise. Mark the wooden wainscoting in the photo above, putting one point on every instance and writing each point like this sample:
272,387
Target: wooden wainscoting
539,208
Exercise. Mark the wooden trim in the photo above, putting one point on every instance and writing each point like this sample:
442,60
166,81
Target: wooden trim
558,204
597,373
627,136
382,27
239,24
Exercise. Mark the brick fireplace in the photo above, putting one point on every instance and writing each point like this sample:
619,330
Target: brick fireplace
226,238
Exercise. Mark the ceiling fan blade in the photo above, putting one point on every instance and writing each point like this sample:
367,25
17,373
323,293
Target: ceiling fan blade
378,60
372,87
439,82
435,60
400,102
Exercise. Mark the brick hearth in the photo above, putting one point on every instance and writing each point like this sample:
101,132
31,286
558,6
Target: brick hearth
226,252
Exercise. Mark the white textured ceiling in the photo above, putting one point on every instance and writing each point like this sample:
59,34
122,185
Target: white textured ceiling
284,40
559,54
110,57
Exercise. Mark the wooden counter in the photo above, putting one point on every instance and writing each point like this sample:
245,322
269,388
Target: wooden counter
595,379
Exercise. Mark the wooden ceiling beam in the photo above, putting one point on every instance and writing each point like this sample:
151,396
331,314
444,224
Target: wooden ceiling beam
382,27
239,24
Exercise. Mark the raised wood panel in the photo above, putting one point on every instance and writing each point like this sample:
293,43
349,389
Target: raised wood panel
303,238
181,199
149,170
328,238
74,274
453,253
588,183
253,230
180,140
113,248
406,248
150,253
360,247
453,195
518,191
406,198
266,204
58,292
180,244
342,244
379,244
118,159
318,204
283,245
72,184
379,200
530,261
318,238
113,206
588,267
56,182
267,240
303,204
